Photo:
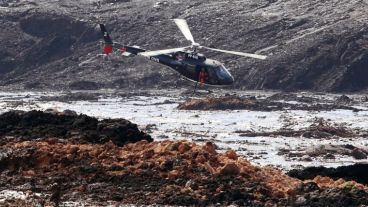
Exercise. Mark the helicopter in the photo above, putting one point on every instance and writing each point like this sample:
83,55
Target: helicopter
186,61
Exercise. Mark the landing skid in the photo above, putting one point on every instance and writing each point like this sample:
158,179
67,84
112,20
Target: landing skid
200,91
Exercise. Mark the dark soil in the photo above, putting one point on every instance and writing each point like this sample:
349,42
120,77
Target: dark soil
309,194
78,128
355,172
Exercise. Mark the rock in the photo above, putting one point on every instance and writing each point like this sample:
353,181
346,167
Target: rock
29,173
329,156
173,174
209,168
201,159
358,154
306,158
300,201
68,112
231,154
148,154
343,100
183,147
52,111
210,147
230,169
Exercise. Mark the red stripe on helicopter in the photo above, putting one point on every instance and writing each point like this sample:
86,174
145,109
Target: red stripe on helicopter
123,49
107,49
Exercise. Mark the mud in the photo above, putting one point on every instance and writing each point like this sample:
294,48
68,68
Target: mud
170,173
69,126
310,194
53,168
69,97
319,129
355,172
252,103
163,173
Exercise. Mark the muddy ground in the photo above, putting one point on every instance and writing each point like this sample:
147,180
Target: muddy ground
69,126
277,102
355,172
52,169
320,129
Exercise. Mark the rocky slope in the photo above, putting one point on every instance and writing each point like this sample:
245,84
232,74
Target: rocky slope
312,45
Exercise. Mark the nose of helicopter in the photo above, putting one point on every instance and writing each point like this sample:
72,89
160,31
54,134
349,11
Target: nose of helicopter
229,80
224,76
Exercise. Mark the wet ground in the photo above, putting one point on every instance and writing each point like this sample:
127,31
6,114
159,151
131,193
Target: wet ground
287,138
61,157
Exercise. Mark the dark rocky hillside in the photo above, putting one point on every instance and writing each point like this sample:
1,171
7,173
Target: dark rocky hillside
312,45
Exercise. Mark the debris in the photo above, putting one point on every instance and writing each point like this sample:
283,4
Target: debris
359,154
319,129
239,103
355,172
344,100
68,125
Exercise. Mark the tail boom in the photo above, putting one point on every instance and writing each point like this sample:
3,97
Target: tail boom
110,46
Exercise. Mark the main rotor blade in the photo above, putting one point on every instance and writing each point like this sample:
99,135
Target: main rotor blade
160,52
184,28
262,57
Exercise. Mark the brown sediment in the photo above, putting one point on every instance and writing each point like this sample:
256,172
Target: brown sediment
180,169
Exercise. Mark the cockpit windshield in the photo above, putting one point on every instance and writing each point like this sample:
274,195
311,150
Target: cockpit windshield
222,73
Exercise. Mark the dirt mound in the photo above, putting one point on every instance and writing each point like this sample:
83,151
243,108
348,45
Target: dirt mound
173,173
164,173
317,194
344,100
292,97
240,103
355,172
77,128
320,129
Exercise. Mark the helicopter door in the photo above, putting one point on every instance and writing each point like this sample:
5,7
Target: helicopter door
190,71
211,75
